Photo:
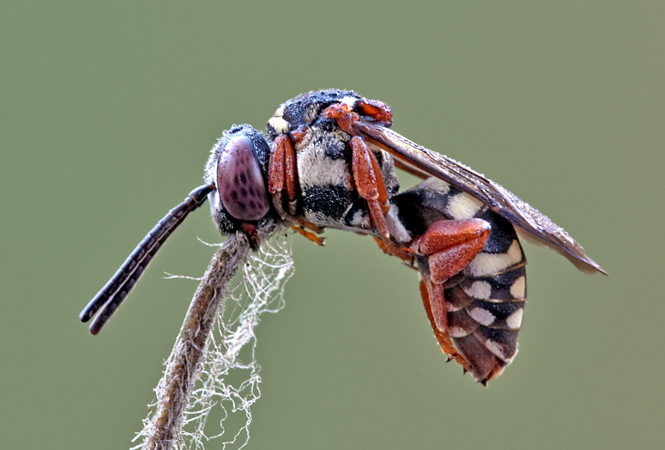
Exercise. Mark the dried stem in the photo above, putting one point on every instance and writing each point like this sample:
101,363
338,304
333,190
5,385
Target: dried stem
184,369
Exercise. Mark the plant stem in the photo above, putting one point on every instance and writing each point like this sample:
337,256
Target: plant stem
176,387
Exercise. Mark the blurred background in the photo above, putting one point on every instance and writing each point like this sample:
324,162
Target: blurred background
107,114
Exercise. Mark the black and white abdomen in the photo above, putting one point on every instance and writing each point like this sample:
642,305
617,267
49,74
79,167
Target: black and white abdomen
485,301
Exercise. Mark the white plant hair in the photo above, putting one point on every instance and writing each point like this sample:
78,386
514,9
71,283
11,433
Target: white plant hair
212,372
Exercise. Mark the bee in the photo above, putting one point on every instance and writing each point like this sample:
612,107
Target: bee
329,160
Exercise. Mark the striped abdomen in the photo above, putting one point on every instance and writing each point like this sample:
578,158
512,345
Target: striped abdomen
485,301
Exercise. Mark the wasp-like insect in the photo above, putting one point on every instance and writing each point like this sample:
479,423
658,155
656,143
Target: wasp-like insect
328,161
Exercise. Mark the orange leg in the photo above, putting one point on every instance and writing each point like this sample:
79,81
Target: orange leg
369,183
436,313
308,234
302,227
282,173
367,176
403,253
450,246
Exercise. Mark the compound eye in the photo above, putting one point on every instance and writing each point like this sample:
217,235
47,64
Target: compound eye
240,182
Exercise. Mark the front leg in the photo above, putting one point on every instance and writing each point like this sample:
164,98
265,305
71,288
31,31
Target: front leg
369,184
282,179
365,168
282,175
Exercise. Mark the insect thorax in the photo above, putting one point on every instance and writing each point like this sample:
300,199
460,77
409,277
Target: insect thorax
328,195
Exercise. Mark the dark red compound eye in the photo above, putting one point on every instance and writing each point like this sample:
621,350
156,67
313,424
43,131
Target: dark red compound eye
240,182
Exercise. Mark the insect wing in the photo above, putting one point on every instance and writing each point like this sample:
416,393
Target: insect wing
499,199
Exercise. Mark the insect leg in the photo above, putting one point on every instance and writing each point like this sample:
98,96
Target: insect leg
369,183
365,169
449,247
282,174
308,234
435,306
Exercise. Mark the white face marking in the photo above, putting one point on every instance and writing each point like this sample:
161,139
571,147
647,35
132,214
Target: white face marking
514,321
213,198
463,206
482,316
491,263
518,289
479,289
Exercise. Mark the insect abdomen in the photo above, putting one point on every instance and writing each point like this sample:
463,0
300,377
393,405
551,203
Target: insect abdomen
485,301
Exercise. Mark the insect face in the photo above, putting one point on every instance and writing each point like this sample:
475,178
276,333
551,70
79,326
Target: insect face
238,167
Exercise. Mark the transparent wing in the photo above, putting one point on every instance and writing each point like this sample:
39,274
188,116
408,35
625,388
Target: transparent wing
421,161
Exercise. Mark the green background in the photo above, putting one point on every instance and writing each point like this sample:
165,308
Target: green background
108,111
